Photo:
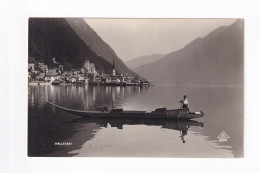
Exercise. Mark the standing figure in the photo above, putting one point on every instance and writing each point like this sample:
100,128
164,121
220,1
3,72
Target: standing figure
185,103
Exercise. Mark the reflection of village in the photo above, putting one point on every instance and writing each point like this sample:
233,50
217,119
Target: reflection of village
40,73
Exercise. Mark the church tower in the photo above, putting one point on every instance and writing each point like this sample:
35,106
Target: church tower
114,70
86,66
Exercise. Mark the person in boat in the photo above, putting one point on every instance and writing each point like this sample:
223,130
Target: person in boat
185,103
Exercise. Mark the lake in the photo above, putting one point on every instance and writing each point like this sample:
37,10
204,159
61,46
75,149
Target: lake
54,133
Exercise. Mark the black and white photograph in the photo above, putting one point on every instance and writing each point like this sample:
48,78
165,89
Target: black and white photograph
136,87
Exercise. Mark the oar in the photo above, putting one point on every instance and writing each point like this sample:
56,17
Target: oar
180,111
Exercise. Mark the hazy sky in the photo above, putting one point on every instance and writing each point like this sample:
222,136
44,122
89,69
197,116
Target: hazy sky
131,38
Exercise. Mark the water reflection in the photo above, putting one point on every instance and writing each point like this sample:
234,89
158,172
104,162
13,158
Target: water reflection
78,97
179,125
79,131
223,107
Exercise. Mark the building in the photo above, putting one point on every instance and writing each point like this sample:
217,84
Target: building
61,67
49,78
97,80
92,68
89,68
52,72
42,67
114,69
41,77
86,65
31,66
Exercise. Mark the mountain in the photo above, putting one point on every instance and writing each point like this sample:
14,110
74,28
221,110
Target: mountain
142,60
214,59
96,44
71,45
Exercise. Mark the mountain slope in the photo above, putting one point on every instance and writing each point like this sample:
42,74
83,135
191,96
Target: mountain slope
142,60
214,59
56,38
96,44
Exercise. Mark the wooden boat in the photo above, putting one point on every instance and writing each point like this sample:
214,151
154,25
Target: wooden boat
57,82
160,113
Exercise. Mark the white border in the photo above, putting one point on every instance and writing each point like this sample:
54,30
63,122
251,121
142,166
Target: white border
14,18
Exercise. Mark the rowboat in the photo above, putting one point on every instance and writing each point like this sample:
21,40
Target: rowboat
160,113
56,82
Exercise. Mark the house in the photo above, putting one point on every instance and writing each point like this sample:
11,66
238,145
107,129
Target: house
73,79
52,72
97,79
123,79
80,78
31,66
61,67
108,80
43,67
40,77
116,80
82,70
49,78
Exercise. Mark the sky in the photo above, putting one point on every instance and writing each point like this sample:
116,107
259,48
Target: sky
131,38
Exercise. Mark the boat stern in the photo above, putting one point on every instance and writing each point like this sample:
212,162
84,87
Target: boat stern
198,114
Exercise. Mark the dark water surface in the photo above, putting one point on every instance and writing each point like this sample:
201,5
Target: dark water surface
222,105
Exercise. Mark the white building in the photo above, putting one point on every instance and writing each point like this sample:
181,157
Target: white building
31,66
89,67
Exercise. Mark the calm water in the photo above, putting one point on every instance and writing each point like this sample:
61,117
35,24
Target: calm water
222,105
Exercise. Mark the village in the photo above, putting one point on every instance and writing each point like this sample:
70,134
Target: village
87,75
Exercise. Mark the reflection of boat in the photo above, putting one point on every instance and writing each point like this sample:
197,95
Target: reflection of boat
116,122
180,125
161,113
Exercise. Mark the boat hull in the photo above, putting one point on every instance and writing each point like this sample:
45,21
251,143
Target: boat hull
120,113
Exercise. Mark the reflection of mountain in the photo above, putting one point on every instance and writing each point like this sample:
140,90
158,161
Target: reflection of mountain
234,128
46,127
224,112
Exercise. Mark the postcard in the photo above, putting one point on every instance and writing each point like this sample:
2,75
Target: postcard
115,87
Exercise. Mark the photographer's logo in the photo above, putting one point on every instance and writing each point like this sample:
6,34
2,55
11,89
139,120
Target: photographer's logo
223,137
